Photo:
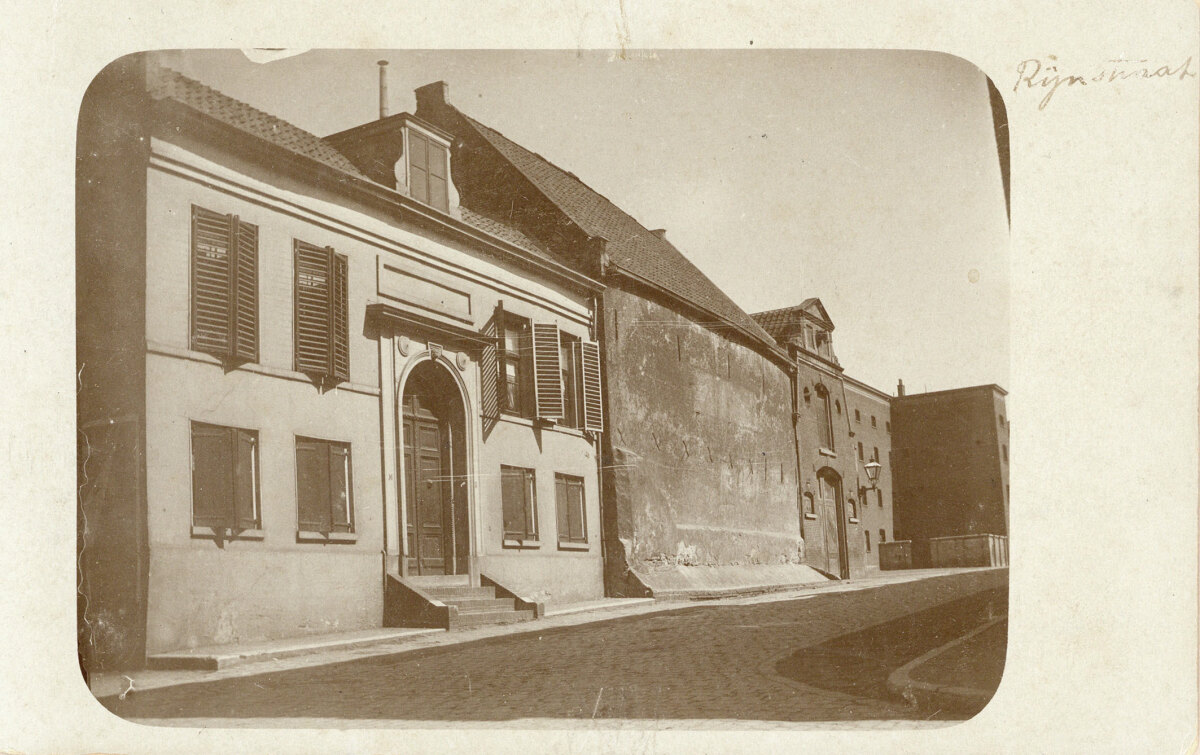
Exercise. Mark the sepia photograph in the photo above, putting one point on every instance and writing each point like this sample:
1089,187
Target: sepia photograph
539,387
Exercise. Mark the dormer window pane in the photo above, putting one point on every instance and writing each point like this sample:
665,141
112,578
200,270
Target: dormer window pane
427,171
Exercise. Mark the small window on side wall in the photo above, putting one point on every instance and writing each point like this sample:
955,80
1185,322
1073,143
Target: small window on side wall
224,480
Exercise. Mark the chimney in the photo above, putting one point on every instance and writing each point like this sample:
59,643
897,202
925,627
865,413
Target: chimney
660,232
900,388
433,96
383,106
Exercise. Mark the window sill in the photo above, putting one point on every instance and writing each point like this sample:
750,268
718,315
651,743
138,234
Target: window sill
827,452
809,516
226,534
522,544
541,424
568,546
306,536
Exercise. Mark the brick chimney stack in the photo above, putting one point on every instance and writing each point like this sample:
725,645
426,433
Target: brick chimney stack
433,96
900,388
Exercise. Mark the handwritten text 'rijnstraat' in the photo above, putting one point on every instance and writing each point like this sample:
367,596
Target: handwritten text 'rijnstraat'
1044,75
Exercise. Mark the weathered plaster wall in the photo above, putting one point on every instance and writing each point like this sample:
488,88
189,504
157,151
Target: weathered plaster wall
703,468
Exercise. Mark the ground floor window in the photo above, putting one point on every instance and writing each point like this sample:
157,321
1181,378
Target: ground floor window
323,498
882,535
572,519
867,535
224,477
519,497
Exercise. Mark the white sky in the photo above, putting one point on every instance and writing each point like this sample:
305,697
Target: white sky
866,178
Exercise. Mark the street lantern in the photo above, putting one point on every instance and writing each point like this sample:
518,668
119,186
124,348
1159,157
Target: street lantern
873,468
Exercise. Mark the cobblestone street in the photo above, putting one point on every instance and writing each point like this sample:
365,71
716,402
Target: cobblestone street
769,660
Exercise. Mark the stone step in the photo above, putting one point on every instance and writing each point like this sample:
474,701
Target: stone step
440,580
446,594
483,618
476,604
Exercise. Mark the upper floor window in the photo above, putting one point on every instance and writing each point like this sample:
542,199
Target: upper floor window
224,265
428,170
860,451
516,367
873,421
857,416
1004,450
568,359
826,421
888,425
322,332
875,453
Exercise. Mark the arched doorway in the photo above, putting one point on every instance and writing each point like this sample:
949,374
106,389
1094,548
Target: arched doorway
435,464
833,523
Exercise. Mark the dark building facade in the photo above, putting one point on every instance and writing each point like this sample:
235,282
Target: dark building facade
842,424
950,463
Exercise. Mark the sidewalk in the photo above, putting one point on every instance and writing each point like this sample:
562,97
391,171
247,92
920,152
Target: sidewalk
961,675
225,662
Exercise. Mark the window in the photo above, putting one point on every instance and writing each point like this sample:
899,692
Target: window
515,395
879,496
875,454
323,498
1001,420
1004,450
321,318
572,517
852,505
810,505
810,342
857,416
224,478
428,171
860,451
873,421
224,286
882,535
520,504
867,535
572,382
826,427
888,425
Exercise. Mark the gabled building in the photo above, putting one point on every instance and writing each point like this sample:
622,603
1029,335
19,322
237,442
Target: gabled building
698,449
309,401
843,425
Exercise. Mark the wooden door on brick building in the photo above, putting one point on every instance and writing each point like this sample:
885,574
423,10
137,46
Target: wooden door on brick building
829,500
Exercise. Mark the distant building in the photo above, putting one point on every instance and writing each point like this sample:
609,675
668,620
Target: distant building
950,463
841,425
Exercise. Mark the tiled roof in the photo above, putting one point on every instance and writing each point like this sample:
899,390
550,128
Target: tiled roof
631,246
166,84
777,321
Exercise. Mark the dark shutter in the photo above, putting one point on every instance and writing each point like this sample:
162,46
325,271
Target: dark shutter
312,309
340,327
562,509
418,167
575,506
211,281
245,330
547,371
593,411
438,195
339,488
530,498
489,372
512,495
312,486
499,377
245,483
212,483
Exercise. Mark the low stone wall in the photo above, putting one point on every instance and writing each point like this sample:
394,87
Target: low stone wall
896,554
968,550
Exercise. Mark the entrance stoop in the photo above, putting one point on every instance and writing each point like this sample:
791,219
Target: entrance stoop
452,602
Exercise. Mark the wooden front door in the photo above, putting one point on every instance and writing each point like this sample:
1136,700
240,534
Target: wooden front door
436,531
831,522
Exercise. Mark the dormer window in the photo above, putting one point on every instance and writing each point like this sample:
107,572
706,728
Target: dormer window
428,169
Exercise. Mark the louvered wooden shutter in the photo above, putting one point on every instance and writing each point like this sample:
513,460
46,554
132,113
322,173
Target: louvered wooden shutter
212,483
498,376
339,307
245,493
589,361
312,486
418,167
211,281
245,328
489,372
312,309
547,371
339,488
438,194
